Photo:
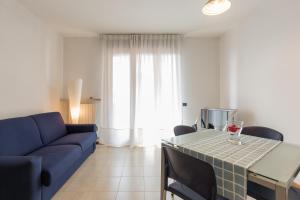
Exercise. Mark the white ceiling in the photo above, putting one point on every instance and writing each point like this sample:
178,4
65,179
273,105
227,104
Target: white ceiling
90,17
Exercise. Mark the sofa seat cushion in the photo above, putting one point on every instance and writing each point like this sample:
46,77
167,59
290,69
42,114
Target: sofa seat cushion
56,160
84,140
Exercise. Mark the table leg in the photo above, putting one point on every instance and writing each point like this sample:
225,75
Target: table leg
163,193
281,192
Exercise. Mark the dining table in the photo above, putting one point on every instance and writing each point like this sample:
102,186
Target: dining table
269,163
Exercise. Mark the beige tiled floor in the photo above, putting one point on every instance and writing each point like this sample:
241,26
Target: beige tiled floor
116,174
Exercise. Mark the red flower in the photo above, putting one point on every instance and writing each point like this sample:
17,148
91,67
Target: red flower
233,128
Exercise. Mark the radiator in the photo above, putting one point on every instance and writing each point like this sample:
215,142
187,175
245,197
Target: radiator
88,112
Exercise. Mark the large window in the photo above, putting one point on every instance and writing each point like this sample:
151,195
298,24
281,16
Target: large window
153,91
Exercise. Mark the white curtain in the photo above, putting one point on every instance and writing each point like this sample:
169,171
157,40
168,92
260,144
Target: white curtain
141,98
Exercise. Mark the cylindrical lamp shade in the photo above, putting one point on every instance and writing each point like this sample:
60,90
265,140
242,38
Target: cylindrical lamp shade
74,92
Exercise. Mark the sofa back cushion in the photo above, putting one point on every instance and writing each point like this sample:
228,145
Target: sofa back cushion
51,126
19,136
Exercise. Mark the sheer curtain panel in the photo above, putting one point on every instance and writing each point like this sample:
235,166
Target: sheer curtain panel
140,87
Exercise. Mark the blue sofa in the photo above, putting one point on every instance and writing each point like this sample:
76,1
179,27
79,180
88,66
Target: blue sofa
39,153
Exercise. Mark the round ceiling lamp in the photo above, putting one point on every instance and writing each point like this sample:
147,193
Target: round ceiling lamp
216,7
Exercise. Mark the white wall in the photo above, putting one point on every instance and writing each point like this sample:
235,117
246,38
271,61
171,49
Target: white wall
82,60
200,71
260,68
30,62
200,76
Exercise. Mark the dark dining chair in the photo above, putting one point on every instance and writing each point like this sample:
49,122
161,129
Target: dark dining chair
193,179
263,132
182,129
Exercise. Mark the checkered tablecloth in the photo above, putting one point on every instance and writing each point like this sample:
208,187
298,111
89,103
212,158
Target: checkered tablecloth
230,161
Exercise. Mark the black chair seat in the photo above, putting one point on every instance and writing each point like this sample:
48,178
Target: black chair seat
186,193
262,193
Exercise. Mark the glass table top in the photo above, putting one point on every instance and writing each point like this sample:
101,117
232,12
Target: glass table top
281,164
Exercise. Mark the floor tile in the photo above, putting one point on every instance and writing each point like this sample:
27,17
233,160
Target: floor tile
85,196
68,196
135,160
115,173
152,170
100,195
130,196
152,184
94,184
132,184
152,195
111,171
133,171
117,163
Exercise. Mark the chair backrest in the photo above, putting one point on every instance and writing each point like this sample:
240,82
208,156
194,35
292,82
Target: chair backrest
195,174
182,129
263,132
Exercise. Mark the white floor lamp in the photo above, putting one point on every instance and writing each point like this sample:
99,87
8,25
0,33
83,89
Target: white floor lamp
74,92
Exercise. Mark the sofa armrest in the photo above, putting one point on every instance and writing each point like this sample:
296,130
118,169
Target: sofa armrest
20,177
81,128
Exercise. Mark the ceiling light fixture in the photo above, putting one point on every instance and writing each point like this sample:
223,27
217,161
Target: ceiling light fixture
216,7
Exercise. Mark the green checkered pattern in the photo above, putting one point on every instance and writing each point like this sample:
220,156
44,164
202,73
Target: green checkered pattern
229,161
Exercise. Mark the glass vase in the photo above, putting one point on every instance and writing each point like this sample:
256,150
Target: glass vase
234,129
